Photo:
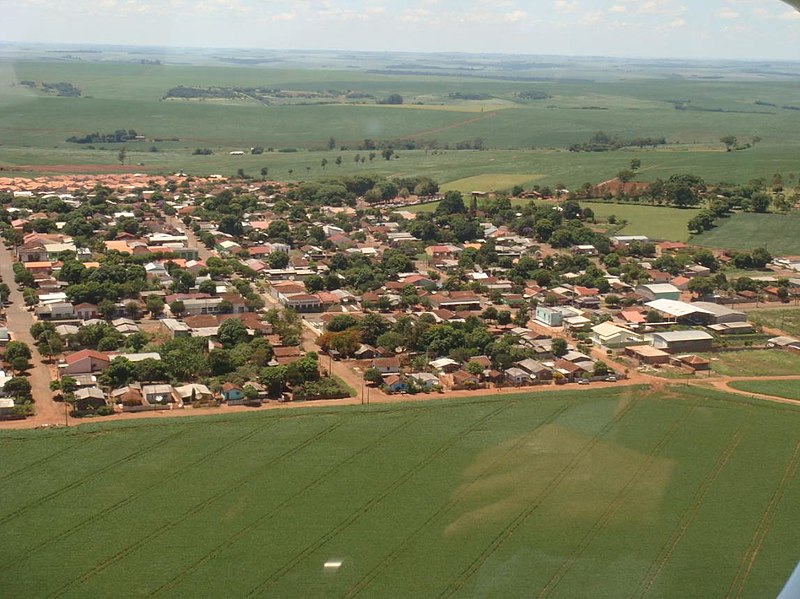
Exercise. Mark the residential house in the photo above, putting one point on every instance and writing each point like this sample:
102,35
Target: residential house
175,328
85,361
387,365
610,335
425,380
395,384
517,377
536,370
549,317
89,398
194,393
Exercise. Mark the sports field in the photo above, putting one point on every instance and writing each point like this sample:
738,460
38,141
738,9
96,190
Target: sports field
747,231
604,493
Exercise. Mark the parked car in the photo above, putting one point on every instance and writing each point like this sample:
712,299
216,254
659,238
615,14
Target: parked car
583,381
611,379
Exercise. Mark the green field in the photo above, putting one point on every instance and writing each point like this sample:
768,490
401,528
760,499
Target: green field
772,362
746,231
786,319
787,389
603,493
653,221
528,139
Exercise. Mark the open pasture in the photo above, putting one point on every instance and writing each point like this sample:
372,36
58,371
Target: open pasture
624,492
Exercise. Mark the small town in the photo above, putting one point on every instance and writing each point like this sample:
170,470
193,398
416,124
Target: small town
130,294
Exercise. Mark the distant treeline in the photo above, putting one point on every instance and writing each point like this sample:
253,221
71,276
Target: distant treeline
467,96
119,136
62,88
184,92
533,94
603,142
772,105
687,106
420,144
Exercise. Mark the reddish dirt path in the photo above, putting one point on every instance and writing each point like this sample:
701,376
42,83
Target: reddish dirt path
483,116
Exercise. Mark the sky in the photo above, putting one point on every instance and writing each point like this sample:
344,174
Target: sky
737,29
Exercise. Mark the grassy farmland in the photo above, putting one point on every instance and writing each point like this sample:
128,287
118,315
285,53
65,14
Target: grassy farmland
682,493
787,389
528,140
747,231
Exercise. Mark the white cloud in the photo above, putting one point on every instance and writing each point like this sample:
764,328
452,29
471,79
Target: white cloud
727,12
565,6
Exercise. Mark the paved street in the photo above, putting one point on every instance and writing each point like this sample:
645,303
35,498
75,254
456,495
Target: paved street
19,322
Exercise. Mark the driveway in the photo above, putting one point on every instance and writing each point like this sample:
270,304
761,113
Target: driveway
19,322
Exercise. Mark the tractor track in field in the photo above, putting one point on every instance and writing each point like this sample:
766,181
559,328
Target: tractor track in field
88,477
615,505
485,115
365,508
232,539
195,509
387,561
139,493
689,515
503,536
47,458
764,526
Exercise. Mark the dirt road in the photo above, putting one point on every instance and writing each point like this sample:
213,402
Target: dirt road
19,322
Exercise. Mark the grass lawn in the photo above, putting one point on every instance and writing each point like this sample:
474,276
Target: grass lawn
787,389
786,319
655,222
687,492
747,231
772,362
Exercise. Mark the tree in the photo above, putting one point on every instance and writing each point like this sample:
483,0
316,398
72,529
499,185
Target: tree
17,349
132,309
331,144
387,153
338,161
730,142
559,347
504,317
182,281
264,172
232,332
5,292
636,164
474,368
278,259
121,155
452,203
701,286
107,309
373,376
390,340
759,202
393,99
154,305
600,369
324,163
177,308
50,345
208,286
149,370
19,388
119,372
